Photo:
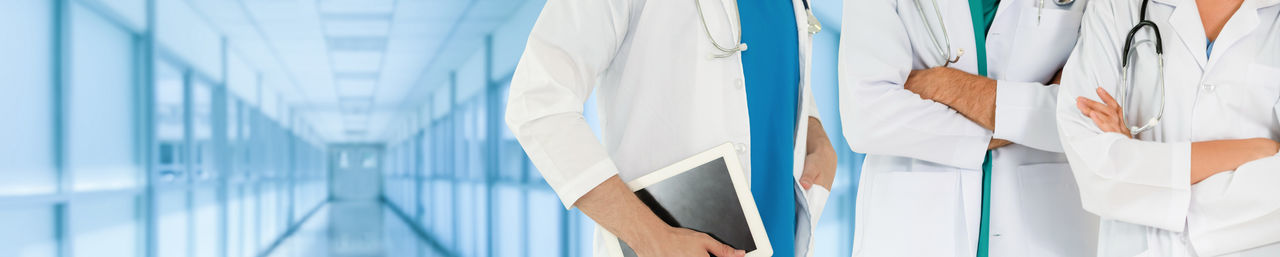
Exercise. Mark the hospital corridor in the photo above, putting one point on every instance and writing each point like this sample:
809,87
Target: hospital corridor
293,128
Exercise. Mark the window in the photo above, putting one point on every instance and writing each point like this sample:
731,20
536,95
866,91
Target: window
101,107
170,125
28,232
106,226
26,101
202,148
173,223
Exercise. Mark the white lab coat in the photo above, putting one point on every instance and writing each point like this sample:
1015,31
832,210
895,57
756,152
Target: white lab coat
1141,187
921,186
662,97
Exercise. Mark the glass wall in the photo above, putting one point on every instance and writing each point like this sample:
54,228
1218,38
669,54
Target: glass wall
116,145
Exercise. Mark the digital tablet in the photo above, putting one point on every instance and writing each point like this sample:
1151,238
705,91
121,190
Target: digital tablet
707,192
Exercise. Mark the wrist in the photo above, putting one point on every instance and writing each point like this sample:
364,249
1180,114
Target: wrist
647,235
1262,148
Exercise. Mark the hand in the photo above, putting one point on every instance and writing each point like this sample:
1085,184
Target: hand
1109,117
819,168
997,143
672,241
819,158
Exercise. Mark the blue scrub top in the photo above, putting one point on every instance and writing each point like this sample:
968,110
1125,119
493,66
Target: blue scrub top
772,70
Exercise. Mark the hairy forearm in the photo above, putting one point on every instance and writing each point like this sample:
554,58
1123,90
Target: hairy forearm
971,95
616,208
1212,157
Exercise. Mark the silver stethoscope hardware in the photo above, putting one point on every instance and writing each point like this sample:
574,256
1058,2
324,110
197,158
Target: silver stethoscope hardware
1126,87
738,46
1040,7
947,57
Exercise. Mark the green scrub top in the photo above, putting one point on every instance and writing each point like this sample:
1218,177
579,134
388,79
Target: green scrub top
983,13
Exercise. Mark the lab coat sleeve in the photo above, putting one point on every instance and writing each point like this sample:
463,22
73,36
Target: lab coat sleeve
879,116
1123,179
570,46
1234,211
1026,114
813,105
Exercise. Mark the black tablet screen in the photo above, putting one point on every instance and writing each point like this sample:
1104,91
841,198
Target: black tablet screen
700,199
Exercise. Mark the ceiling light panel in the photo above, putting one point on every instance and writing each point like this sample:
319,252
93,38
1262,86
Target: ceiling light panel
357,27
357,43
355,75
356,105
357,6
352,88
356,61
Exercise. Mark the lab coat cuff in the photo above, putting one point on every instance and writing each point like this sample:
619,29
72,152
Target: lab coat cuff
584,182
970,152
1025,114
1180,177
809,206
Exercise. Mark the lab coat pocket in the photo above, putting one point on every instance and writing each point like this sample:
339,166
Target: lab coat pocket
1044,39
1262,92
913,208
1052,212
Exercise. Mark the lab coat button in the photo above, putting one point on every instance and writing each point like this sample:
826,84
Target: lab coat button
738,84
1208,88
740,147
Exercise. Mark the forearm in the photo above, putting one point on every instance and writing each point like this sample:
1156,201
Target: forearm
1212,157
616,208
971,95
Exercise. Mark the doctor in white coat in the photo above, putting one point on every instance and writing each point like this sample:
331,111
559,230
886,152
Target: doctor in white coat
666,91
1204,181
913,98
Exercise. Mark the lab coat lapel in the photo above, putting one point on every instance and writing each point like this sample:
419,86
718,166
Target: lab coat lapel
804,42
1239,26
730,9
1186,24
804,46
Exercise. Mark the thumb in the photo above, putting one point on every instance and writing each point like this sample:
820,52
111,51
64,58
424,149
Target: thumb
721,250
808,177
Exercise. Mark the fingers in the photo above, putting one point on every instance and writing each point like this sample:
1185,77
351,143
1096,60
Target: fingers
1102,123
720,250
1106,98
1103,116
809,176
1089,106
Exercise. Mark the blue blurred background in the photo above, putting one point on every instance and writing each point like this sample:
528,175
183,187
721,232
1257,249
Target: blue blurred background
194,128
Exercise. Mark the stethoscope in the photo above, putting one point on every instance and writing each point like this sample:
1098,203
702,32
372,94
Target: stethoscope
943,46
1126,87
814,27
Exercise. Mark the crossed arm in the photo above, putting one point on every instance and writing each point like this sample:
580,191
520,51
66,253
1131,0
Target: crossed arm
1207,157
971,95
974,97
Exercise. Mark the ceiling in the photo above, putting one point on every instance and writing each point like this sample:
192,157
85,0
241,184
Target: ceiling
351,66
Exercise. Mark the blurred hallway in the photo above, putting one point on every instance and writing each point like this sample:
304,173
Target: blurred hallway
221,128
356,229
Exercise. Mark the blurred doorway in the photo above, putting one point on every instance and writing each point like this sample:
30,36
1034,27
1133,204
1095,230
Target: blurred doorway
356,172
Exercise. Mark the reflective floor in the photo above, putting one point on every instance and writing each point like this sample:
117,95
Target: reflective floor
355,229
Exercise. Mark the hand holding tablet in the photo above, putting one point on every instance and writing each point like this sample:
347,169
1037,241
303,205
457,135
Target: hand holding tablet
705,193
